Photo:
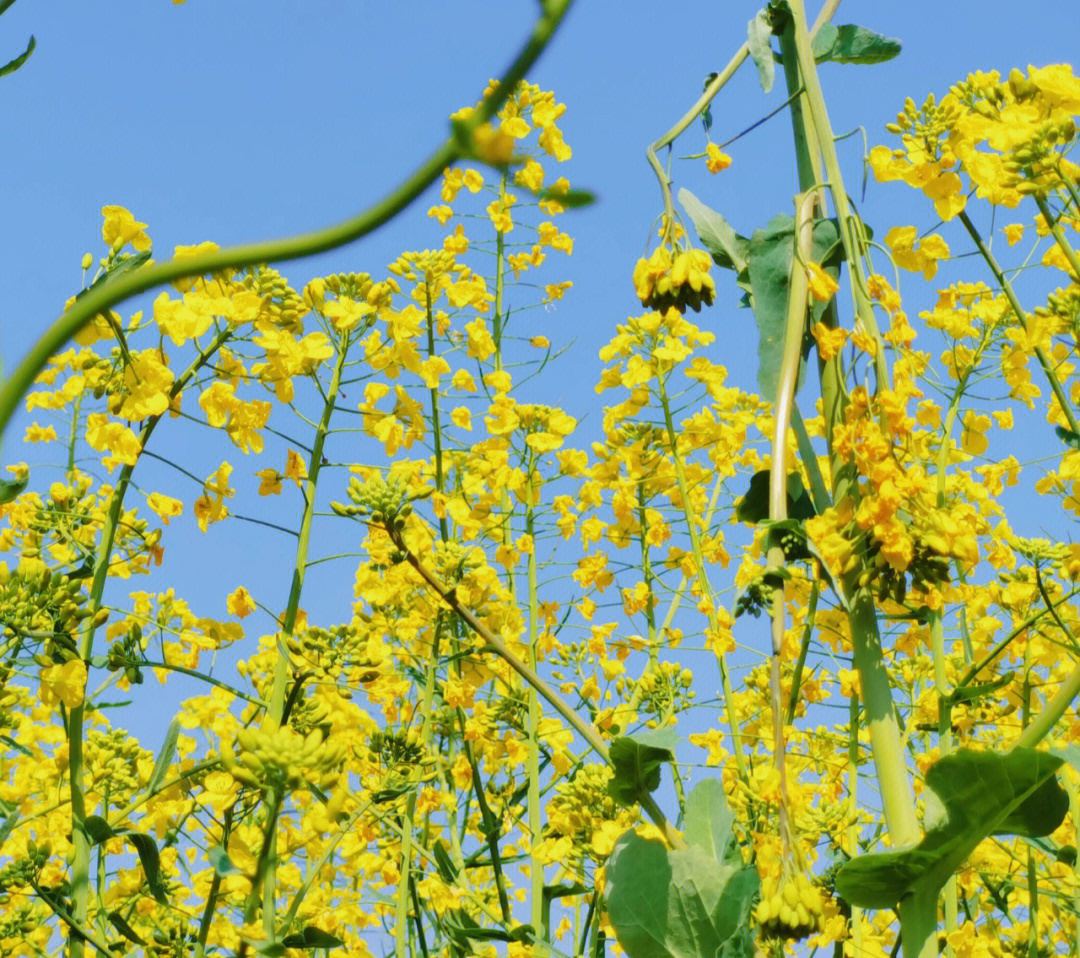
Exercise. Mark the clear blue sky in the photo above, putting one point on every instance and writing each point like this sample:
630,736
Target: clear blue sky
237,120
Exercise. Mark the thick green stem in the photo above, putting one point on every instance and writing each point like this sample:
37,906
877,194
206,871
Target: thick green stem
99,300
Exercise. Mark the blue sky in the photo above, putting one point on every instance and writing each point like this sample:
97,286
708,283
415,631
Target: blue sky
239,120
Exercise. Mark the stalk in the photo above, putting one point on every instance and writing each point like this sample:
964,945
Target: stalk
99,300
918,914
795,326
272,717
707,595
1022,318
80,865
536,870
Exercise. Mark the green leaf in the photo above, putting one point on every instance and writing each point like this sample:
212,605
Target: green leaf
727,247
966,693
636,760
271,949
128,264
11,489
706,114
97,829
682,904
571,199
1067,854
759,42
119,922
1067,436
12,65
9,823
447,869
151,863
708,820
221,862
312,937
769,259
754,505
979,794
165,756
852,44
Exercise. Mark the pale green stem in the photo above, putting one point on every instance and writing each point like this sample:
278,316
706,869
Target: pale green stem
853,798
1023,319
282,664
1058,233
918,914
795,328
80,865
647,577
945,743
708,597
536,869
529,674
99,300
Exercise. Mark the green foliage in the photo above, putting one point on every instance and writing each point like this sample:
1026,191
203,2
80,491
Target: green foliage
767,278
759,42
11,489
754,505
686,903
636,761
851,44
727,247
978,794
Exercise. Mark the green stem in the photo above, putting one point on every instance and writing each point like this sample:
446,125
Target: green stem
945,743
80,865
536,869
707,595
1054,225
282,664
1022,318
105,297
804,648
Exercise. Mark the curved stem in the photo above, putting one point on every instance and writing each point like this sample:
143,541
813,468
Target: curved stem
103,298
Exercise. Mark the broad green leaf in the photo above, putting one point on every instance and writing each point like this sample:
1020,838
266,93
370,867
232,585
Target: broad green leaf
708,820
221,862
727,247
636,760
852,44
682,904
978,794
12,65
769,259
759,41
151,863
12,488
165,756
754,505
312,937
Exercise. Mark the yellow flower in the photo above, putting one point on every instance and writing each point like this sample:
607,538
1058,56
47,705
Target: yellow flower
270,482
240,603
822,286
295,467
120,228
1014,232
716,160
829,341
165,506
64,683
973,438
922,258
